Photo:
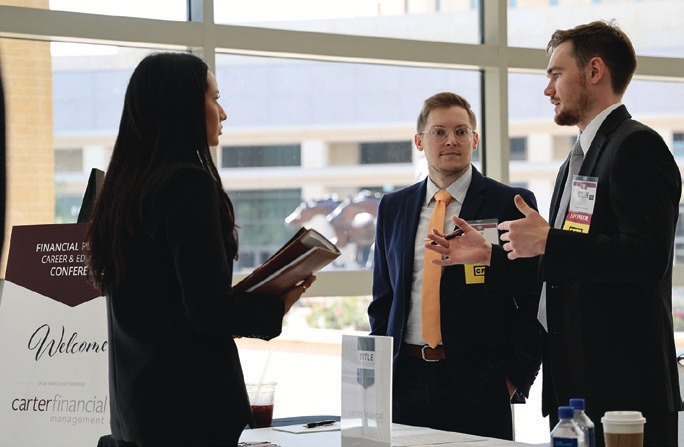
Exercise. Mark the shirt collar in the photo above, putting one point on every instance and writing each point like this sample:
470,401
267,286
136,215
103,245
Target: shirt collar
457,189
589,133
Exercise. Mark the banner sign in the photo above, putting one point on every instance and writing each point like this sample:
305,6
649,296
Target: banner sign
366,391
53,342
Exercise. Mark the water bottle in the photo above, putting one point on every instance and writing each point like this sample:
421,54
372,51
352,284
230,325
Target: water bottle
566,433
583,422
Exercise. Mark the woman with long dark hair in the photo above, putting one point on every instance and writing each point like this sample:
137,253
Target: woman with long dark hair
162,241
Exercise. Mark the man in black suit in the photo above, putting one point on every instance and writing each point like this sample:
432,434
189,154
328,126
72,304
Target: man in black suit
607,282
491,346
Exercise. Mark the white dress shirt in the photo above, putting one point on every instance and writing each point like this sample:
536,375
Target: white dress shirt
458,189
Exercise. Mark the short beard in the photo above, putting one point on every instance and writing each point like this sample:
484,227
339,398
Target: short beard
582,106
453,174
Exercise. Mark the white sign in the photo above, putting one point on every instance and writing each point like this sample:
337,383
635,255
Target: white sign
53,343
366,391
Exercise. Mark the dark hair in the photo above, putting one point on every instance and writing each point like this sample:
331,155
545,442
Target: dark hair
443,100
163,123
605,40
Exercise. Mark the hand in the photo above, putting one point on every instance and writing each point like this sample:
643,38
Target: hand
526,237
469,248
294,293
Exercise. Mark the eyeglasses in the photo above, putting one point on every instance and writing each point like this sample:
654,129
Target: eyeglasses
463,135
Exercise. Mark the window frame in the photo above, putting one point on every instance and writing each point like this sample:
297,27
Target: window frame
493,58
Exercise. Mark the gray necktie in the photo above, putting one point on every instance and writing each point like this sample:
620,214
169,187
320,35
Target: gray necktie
576,159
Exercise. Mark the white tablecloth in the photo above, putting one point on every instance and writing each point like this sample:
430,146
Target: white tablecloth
401,434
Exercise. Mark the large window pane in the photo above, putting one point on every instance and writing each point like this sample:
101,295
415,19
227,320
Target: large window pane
88,87
351,127
653,26
548,145
433,20
148,9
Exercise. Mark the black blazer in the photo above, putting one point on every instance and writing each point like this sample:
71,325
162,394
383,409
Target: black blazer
174,366
609,292
493,337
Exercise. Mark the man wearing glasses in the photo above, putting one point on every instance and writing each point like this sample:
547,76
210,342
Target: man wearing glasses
459,357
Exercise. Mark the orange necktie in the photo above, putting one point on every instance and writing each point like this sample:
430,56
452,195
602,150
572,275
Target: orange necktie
432,330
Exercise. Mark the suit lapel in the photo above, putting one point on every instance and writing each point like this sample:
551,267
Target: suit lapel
410,214
593,154
612,121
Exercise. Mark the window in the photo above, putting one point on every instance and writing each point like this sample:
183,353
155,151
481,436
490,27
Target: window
325,128
67,208
679,237
172,9
531,22
518,149
260,216
678,144
562,145
441,20
260,156
69,160
390,152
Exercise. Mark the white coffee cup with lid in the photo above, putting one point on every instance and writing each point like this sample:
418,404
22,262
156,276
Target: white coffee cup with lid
623,428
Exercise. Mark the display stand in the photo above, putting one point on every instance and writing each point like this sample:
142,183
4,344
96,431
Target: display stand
366,391
53,342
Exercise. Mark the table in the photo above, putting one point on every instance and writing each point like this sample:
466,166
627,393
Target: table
399,435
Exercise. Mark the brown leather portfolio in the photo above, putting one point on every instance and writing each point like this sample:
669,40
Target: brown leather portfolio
304,254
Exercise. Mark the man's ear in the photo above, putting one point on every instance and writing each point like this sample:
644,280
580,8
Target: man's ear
418,141
597,70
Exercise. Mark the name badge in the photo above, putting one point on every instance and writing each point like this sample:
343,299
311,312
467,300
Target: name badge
582,201
475,273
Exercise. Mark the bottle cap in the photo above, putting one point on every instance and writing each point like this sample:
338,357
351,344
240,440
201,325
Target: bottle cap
577,403
565,412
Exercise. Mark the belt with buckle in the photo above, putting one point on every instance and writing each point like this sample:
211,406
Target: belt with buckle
424,352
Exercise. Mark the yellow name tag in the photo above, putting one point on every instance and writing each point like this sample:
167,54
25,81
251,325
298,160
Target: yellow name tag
474,273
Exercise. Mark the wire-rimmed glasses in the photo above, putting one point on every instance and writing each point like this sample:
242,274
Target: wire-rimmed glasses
440,135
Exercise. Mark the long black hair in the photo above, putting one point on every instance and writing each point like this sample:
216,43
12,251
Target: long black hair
163,123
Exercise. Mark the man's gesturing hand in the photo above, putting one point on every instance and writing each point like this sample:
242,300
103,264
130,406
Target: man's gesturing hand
526,237
469,248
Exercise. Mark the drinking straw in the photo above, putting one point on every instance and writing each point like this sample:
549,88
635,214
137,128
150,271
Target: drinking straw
263,373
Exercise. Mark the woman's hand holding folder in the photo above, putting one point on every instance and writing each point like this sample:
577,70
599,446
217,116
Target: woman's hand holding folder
294,293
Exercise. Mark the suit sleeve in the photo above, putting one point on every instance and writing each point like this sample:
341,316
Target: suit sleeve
524,354
523,357
195,240
519,276
379,309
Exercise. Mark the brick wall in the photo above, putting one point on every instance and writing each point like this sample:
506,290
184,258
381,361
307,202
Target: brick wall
27,80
